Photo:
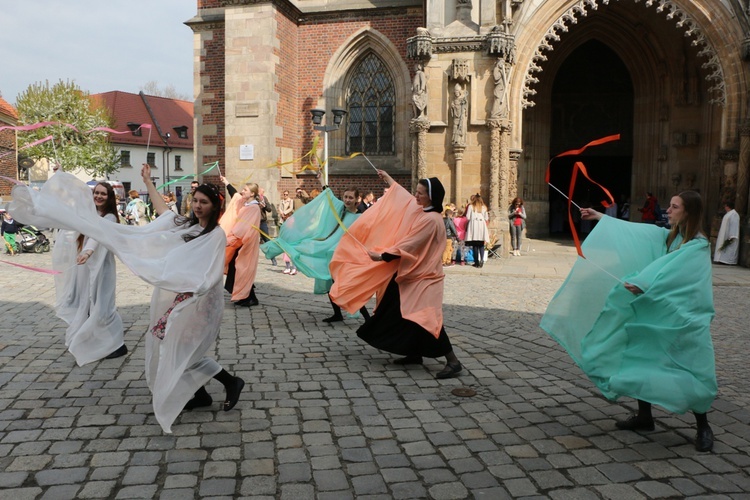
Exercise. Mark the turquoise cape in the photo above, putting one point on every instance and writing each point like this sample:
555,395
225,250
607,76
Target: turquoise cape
310,236
655,346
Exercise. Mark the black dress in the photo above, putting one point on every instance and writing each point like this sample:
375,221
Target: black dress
389,331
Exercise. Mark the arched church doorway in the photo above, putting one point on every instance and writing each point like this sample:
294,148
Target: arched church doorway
592,97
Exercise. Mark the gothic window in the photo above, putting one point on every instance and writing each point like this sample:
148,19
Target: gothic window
371,98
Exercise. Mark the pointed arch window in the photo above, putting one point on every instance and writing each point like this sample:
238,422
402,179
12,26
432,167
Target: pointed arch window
371,98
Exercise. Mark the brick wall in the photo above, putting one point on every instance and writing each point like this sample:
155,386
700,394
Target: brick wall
8,167
288,117
304,51
212,96
322,37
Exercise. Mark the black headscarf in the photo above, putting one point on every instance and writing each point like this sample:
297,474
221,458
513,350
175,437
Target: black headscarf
436,192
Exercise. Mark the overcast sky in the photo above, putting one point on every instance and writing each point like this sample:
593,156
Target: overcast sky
102,45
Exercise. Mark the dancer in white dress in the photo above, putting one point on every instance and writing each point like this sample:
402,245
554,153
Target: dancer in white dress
85,290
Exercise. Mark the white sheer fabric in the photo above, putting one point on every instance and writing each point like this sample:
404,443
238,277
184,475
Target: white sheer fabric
176,366
85,298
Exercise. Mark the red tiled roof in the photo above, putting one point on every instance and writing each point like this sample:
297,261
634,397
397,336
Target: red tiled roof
167,113
8,110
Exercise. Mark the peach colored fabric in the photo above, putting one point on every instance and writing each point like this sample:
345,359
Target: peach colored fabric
238,222
395,225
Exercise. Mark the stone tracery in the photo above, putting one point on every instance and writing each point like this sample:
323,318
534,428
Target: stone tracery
716,77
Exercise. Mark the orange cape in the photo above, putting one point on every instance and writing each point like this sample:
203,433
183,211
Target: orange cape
237,222
398,226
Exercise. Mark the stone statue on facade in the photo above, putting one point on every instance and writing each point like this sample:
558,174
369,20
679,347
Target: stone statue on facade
419,92
459,114
499,104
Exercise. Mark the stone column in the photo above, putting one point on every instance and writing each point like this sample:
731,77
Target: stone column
743,172
458,172
500,178
418,127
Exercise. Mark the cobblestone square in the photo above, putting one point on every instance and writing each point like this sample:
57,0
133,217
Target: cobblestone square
324,415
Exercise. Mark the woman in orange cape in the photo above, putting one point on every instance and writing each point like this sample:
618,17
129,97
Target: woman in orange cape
239,222
408,235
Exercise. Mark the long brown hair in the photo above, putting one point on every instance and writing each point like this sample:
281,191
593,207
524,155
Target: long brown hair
691,225
477,203
109,208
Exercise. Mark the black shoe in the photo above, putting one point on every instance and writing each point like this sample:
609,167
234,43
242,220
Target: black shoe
635,423
451,370
233,393
334,318
248,302
408,360
704,439
120,351
200,400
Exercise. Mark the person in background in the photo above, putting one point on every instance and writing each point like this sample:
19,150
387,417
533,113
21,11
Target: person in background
728,240
460,222
649,209
171,202
265,208
136,213
286,206
366,202
300,198
188,200
8,230
517,218
477,234
451,236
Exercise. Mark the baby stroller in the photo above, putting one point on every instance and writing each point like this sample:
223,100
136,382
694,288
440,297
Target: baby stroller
30,239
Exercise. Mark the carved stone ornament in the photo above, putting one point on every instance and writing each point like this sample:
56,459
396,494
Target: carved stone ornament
459,44
460,70
729,155
419,46
501,44
717,88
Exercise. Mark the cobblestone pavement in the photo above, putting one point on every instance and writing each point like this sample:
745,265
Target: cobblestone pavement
326,416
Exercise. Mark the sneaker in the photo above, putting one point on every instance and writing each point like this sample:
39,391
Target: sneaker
293,272
287,271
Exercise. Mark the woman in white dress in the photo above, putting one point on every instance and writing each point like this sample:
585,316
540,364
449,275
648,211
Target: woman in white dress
86,289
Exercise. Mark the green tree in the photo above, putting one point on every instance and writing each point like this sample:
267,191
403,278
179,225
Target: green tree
66,103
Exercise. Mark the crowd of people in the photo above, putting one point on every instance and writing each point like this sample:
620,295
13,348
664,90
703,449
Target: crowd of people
395,249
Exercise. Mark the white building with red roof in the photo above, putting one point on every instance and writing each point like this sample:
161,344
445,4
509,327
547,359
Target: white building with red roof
169,149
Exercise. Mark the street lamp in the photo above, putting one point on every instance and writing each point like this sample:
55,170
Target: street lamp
317,119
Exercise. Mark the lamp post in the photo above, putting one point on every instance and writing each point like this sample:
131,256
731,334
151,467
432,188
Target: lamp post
317,118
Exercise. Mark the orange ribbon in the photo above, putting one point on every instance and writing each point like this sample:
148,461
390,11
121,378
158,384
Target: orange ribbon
580,167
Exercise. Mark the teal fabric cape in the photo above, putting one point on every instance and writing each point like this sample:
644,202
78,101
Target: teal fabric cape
655,346
310,236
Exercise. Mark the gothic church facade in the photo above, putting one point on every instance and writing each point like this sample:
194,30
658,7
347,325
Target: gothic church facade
482,94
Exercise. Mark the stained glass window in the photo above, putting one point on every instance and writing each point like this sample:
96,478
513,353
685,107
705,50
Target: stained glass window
370,101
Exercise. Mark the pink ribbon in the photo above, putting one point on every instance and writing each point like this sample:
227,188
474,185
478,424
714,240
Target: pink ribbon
40,141
29,268
27,128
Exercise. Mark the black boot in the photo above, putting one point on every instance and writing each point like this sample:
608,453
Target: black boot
201,399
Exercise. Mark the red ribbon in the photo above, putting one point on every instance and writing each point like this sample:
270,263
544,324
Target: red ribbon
580,167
